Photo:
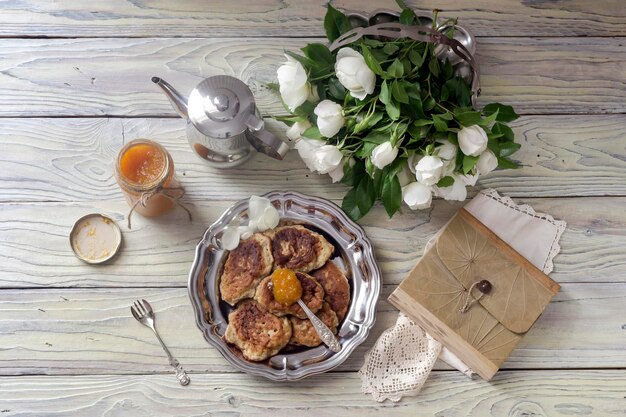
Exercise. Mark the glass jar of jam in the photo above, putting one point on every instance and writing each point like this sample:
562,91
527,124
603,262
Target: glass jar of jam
145,172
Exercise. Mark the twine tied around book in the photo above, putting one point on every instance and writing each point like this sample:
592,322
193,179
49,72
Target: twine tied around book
167,192
483,286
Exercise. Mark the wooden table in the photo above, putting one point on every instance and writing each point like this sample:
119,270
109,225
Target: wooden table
75,86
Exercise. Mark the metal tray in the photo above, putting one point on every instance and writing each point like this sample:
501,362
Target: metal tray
353,251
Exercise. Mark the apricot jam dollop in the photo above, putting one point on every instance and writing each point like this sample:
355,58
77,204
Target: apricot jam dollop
285,286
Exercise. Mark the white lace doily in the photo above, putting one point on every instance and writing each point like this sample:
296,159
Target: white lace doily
403,356
400,362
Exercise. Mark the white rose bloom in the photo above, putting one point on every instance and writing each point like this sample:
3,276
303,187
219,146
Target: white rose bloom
329,118
327,158
337,174
296,130
417,196
472,140
429,170
306,149
383,155
354,74
405,176
446,150
487,162
456,191
413,160
294,85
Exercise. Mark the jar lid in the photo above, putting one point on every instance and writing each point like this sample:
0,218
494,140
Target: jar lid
95,238
220,106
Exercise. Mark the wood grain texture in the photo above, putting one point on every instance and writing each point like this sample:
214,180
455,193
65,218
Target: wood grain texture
92,332
296,17
73,160
97,77
449,394
35,251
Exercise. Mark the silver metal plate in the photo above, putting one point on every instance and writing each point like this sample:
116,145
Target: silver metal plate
353,252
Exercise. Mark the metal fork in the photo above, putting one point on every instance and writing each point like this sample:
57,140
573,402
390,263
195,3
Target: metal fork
142,311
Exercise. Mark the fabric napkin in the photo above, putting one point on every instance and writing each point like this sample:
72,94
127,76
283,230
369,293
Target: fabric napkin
403,356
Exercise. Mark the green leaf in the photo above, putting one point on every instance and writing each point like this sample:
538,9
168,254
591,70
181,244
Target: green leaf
467,118
336,89
422,122
368,122
366,194
390,48
486,121
416,58
505,113
504,130
445,182
335,23
391,194
441,125
507,163
376,137
366,150
349,205
433,65
509,148
313,132
319,53
407,17
468,163
396,69
385,93
371,62
353,174
392,110
305,109
399,93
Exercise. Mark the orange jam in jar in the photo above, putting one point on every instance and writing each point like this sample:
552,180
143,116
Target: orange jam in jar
145,169
286,286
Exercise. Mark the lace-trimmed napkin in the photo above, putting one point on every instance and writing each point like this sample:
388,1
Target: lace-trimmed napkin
403,356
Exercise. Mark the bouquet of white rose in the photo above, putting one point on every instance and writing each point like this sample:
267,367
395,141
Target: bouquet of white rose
390,119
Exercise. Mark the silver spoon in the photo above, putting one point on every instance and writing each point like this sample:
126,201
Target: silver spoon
322,330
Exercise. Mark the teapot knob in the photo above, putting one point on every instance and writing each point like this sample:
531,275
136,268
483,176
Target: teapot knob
221,102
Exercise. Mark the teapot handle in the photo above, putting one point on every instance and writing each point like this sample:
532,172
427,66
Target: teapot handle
264,141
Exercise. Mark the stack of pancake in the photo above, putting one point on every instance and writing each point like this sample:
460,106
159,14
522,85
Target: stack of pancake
259,325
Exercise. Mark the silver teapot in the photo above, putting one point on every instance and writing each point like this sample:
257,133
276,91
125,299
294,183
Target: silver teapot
223,122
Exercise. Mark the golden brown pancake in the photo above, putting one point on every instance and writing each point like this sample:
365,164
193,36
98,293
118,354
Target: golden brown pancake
304,333
245,266
298,248
336,288
312,295
256,332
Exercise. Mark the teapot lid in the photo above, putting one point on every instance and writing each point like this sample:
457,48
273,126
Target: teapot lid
220,106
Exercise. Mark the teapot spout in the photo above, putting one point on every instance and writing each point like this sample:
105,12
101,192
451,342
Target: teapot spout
178,101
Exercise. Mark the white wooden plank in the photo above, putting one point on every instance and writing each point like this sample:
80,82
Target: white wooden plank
296,17
92,332
73,160
35,251
43,77
450,394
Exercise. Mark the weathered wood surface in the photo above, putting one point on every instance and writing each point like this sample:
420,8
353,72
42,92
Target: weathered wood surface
35,251
528,393
73,160
212,19
68,331
97,77
559,63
